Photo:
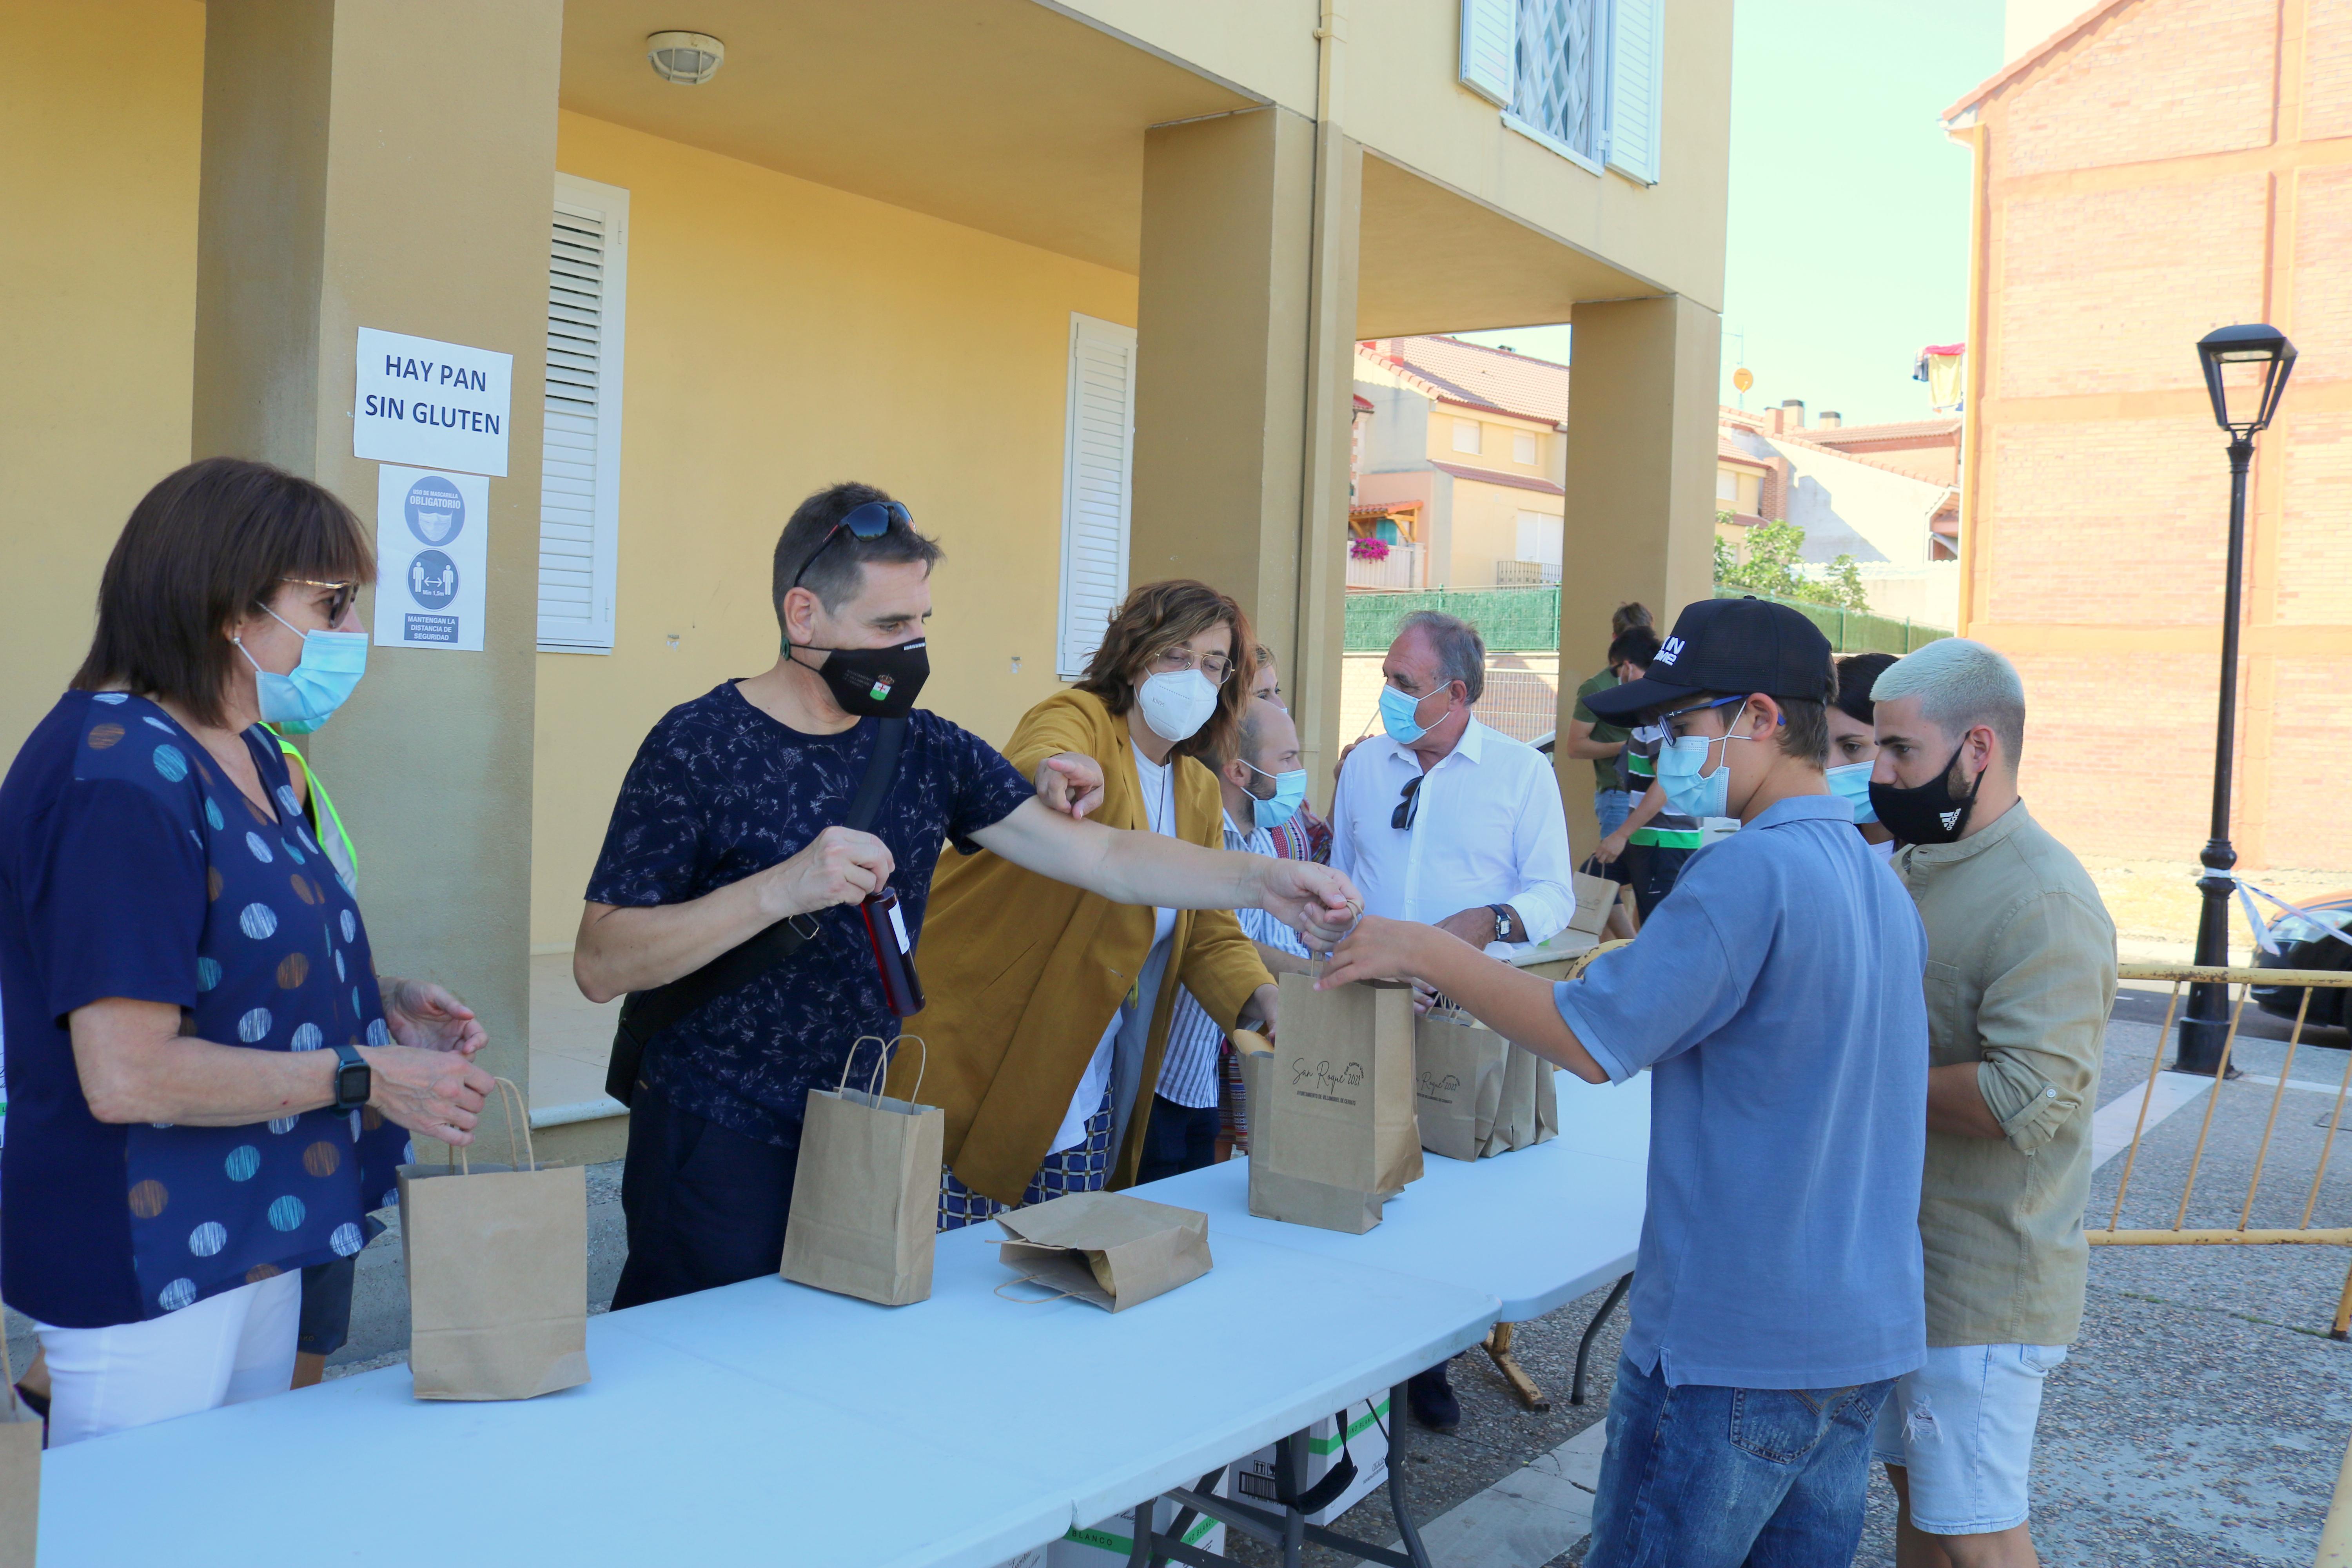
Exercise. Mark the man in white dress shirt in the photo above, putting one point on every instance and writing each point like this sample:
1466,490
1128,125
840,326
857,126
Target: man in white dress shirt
1444,821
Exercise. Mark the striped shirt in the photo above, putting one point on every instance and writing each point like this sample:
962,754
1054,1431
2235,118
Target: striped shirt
1667,829
1188,1068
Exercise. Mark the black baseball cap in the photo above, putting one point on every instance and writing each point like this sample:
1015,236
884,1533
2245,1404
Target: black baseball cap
1728,645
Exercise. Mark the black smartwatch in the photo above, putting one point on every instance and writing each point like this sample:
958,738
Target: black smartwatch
354,1080
1506,928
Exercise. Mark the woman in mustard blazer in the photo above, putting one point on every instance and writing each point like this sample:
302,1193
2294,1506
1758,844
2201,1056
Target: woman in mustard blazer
1049,1005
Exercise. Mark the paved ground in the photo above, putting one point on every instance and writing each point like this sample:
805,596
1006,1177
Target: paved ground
2199,1420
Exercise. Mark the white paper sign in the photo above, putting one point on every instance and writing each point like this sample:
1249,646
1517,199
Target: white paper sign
432,553
438,405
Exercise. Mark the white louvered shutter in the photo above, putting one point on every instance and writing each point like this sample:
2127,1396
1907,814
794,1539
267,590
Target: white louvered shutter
1637,82
579,464
1490,48
1098,486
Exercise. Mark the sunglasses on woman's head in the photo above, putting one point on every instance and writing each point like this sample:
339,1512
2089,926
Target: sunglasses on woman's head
871,521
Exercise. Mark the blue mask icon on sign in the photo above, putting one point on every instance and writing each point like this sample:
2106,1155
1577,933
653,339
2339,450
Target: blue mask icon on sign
436,510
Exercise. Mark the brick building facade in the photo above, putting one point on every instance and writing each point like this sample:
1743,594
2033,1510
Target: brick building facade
2153,170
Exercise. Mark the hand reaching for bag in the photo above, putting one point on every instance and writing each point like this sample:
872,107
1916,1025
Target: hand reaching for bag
1318,902
435,1092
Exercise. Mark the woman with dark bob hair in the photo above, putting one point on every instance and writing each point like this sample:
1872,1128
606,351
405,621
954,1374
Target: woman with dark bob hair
1050,1005
205,1095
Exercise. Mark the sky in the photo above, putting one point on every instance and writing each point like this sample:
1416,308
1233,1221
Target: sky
1849,213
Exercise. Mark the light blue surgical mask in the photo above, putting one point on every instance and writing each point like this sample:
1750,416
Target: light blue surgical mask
1400,714
1289,795
322,678
1690,792
1850,784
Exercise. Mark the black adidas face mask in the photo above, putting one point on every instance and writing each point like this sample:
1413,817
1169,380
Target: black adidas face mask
873,682
1930,813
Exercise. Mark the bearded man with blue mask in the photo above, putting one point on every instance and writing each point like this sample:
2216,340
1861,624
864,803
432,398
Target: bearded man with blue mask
1442,819
1263,782
1775,996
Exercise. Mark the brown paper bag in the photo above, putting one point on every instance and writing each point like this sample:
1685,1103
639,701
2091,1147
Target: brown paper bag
1108,1248
20,1471
497,1272
1332,1134
1458,1082
865,1195
1528,1113
1594,897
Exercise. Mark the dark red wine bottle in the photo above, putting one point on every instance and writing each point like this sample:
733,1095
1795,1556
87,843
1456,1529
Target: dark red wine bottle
894,956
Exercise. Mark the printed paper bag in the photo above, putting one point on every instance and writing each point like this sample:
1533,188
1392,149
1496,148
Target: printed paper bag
20,1471
1108,1248
1528,1112
865,1195
497,1272
1458,1082
1332,1133
1595,895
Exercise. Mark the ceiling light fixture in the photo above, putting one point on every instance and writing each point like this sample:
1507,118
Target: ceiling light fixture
686,59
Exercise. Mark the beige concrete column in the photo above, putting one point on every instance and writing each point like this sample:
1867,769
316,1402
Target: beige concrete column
1246,334
391,163
1641,488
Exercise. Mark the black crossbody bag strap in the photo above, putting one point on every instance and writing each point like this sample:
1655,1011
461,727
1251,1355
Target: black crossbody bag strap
644,1014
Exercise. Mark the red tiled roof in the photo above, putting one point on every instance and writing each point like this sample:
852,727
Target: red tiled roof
1363,404
1895,430
1490,477
1726,451
1477,376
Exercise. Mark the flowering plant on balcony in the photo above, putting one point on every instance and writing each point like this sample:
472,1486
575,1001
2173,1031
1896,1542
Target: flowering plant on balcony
1368,549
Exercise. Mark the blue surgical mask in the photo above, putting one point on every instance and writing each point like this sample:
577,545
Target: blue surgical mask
1850,784
1689,793
1289,795
330,666
1400,714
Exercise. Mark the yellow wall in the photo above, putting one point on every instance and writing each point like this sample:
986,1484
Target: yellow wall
100,107
1497,448
782,336
1486,529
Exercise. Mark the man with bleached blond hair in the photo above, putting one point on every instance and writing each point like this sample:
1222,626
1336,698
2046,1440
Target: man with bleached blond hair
2021,975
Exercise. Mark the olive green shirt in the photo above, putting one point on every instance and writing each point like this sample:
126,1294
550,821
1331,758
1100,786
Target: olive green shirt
2020,977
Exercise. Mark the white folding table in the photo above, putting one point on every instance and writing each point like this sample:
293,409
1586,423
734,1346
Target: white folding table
766,1420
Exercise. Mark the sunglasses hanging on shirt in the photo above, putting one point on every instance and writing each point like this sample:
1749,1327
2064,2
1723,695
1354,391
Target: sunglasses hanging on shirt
1407,804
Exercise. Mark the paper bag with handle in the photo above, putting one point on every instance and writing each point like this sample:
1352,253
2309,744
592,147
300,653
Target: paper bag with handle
1526,1112
497,1271
20,1471
1458,1082
1108,1248
865,1195
1332,1134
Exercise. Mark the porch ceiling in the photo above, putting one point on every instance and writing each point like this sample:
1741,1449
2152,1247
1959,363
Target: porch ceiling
1436,260
1004,115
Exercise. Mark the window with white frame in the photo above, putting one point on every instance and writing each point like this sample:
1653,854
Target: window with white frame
1727,485
1583,76
1465,436
1523,447
1097,487
579,453
1541,535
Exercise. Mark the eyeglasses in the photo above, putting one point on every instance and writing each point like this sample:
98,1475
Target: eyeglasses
871,521
1667,721
337,607
1407,803
1177,660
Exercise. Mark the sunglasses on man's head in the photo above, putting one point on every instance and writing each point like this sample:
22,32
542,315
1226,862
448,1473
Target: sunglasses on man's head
871,521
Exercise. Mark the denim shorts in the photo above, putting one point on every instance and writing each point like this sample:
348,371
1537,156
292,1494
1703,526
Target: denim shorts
1963,1426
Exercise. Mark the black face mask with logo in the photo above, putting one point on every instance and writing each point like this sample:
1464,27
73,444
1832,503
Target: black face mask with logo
1930,813
873,682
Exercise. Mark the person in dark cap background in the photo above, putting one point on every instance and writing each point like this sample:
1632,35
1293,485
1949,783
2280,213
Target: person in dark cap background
1776,995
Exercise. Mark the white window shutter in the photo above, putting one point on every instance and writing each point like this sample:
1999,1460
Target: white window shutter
579,464
1636,85
1097,487
1490,48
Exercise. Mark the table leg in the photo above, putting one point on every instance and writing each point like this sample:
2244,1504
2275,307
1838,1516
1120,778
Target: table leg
1290,1464
1498,1345
1408,1532
1591,1332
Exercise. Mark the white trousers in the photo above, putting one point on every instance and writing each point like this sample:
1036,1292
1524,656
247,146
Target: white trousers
224,1350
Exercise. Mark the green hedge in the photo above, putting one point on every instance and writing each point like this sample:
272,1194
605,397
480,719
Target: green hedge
1526,620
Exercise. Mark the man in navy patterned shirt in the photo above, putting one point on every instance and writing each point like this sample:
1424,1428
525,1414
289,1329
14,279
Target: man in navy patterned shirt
729,821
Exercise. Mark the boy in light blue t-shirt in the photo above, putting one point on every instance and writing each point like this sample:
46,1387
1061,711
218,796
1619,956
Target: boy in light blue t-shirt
1775,995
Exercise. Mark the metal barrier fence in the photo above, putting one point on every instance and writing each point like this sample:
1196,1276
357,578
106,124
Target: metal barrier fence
2180,1233
1854,631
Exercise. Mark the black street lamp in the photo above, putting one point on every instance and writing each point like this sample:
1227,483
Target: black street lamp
2246,368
